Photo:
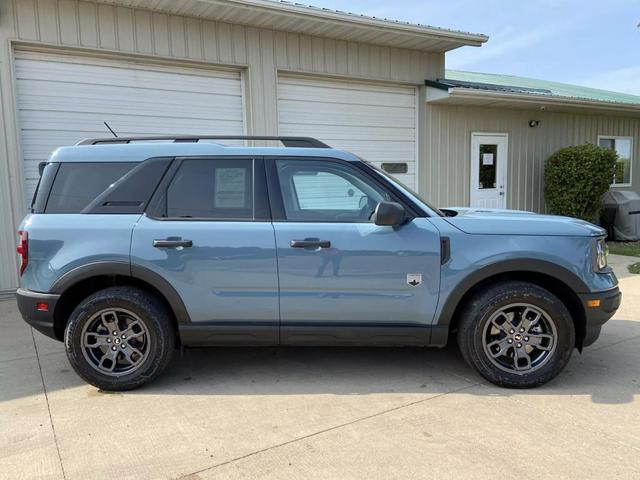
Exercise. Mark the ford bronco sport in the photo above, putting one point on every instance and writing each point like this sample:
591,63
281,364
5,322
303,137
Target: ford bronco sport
136,247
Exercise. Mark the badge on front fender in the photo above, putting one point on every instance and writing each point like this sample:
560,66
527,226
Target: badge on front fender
414,279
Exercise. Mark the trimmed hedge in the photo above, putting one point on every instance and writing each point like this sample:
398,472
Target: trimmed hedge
576,178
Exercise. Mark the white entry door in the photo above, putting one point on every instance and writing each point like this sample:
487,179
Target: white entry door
488,170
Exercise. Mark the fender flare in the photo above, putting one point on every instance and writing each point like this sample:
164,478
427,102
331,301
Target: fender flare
78,274
544,267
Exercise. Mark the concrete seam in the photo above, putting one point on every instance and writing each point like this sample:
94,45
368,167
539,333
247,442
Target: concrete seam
46,397
16,359
320,432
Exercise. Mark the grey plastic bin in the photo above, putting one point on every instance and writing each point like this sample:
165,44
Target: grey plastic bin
626,226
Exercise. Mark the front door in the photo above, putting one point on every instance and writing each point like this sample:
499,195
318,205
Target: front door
488,170
344,279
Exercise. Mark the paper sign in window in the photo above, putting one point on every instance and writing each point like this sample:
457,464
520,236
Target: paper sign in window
230,187
487,159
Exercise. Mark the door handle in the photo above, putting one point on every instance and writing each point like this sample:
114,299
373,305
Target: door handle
310,243
168,243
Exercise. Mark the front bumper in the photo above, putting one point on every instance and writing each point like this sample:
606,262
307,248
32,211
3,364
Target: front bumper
40,320
609,301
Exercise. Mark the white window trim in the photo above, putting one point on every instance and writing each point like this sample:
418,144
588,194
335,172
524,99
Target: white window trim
622,137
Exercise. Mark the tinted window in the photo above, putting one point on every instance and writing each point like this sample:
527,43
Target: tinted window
131,192
316,191
39,201
212,189
77,184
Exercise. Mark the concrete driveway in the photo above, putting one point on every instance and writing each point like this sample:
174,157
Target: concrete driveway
323,413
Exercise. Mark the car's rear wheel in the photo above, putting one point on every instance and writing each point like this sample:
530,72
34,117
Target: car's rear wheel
119,338
516,334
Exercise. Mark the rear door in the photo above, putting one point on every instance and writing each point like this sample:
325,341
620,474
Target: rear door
208,233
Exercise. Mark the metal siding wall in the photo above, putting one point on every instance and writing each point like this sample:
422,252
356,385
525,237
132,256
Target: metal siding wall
449,137
75,23
10,168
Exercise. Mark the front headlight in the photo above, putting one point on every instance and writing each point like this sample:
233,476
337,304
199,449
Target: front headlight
601,255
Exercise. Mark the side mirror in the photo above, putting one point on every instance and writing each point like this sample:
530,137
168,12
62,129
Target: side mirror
390,214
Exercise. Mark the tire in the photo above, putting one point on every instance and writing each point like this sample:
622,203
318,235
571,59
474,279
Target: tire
119,338
495,324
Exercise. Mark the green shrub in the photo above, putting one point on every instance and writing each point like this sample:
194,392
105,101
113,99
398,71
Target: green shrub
576,178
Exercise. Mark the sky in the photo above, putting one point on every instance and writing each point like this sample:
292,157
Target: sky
591,43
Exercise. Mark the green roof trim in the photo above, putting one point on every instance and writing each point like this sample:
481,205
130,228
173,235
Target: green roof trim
476,80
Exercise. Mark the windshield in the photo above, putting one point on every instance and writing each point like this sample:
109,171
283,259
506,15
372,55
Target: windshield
404,189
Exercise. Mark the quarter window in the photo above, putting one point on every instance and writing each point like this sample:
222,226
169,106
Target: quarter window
315,191
77,184
216,189
624,148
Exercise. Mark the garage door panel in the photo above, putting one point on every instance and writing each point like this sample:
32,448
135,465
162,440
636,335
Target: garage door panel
89,124
356,133
374,121
128,103
351,115
379,152
62,71
78,90
348,97
345,119
54,108
38,144
317,82
63,99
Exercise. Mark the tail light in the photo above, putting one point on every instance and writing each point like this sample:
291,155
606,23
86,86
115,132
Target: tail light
23,250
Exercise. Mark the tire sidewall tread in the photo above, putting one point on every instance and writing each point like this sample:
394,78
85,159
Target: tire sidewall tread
160,332
480,308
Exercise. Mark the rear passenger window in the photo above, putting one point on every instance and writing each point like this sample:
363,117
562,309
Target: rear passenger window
216,189
78,184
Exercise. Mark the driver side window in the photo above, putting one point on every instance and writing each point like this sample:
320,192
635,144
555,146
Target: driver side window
323,191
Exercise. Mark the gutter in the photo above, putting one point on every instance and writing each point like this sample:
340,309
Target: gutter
334,16
470,93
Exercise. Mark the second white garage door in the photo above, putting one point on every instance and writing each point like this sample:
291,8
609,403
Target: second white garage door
62,99
374,121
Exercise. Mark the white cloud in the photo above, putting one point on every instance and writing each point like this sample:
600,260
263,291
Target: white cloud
626,80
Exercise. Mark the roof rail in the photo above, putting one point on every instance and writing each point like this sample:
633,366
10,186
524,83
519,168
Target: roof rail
301,142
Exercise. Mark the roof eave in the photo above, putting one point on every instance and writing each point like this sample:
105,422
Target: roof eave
275,14
473,39
459,95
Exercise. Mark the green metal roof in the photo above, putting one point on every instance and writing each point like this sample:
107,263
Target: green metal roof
511,83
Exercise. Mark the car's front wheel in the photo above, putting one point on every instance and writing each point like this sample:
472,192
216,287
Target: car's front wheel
119,338
516,334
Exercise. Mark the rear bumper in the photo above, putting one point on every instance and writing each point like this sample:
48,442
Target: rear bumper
597,316
41,321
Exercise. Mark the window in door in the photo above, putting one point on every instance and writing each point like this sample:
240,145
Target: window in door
623,147
213,189
323,191
488,166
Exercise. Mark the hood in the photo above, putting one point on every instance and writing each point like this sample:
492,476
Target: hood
492,221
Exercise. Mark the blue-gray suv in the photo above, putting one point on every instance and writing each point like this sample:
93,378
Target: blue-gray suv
137,246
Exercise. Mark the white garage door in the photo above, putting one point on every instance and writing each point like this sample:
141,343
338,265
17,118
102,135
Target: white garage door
375,121
62,99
